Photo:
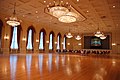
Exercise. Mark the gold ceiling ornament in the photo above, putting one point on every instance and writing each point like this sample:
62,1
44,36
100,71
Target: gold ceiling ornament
64,12
13,20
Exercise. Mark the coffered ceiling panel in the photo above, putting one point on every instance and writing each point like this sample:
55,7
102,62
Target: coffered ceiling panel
105,13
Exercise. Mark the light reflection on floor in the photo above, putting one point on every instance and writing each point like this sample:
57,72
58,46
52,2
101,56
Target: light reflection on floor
58,67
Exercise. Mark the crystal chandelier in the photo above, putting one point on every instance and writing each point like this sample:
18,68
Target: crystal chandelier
13,20
58,11
103,37
78,37
98,34
64,12
68,18
69,35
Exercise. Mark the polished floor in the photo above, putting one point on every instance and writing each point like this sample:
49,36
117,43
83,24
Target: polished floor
59,67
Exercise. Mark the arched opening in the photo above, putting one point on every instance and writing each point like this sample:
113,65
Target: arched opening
64,44
15,39
42,40
30,39
58,43
51,41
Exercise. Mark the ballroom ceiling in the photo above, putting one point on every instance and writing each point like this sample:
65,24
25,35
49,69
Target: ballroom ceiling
106,13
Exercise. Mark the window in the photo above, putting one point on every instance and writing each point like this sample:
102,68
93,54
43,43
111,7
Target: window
14,44
41,45
42,39
51,43
64,43
51,40
58,41
29,44
30,38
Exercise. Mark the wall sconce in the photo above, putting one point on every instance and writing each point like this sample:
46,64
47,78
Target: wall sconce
68,43
37,40
24,39
79,44
6,37
113,44
62,43
47,41
55,42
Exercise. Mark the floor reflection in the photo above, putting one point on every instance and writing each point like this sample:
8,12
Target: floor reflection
13,66
28,64
57,61
40,58
49,62
58,67
63,60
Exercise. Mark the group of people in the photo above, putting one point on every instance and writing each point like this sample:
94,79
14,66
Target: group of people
85,51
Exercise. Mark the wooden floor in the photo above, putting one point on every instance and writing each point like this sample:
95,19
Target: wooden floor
59,67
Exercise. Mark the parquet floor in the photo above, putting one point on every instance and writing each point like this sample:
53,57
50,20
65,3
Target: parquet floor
59,67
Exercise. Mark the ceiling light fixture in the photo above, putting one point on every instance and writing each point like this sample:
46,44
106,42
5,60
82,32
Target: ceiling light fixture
64,12
69,35
103,37
78,37
98,33
68,18
13,20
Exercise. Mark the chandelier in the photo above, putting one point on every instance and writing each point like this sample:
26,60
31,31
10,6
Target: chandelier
58,11
103,37
69,35
98,34
64,12
78,37
68,18
13,20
